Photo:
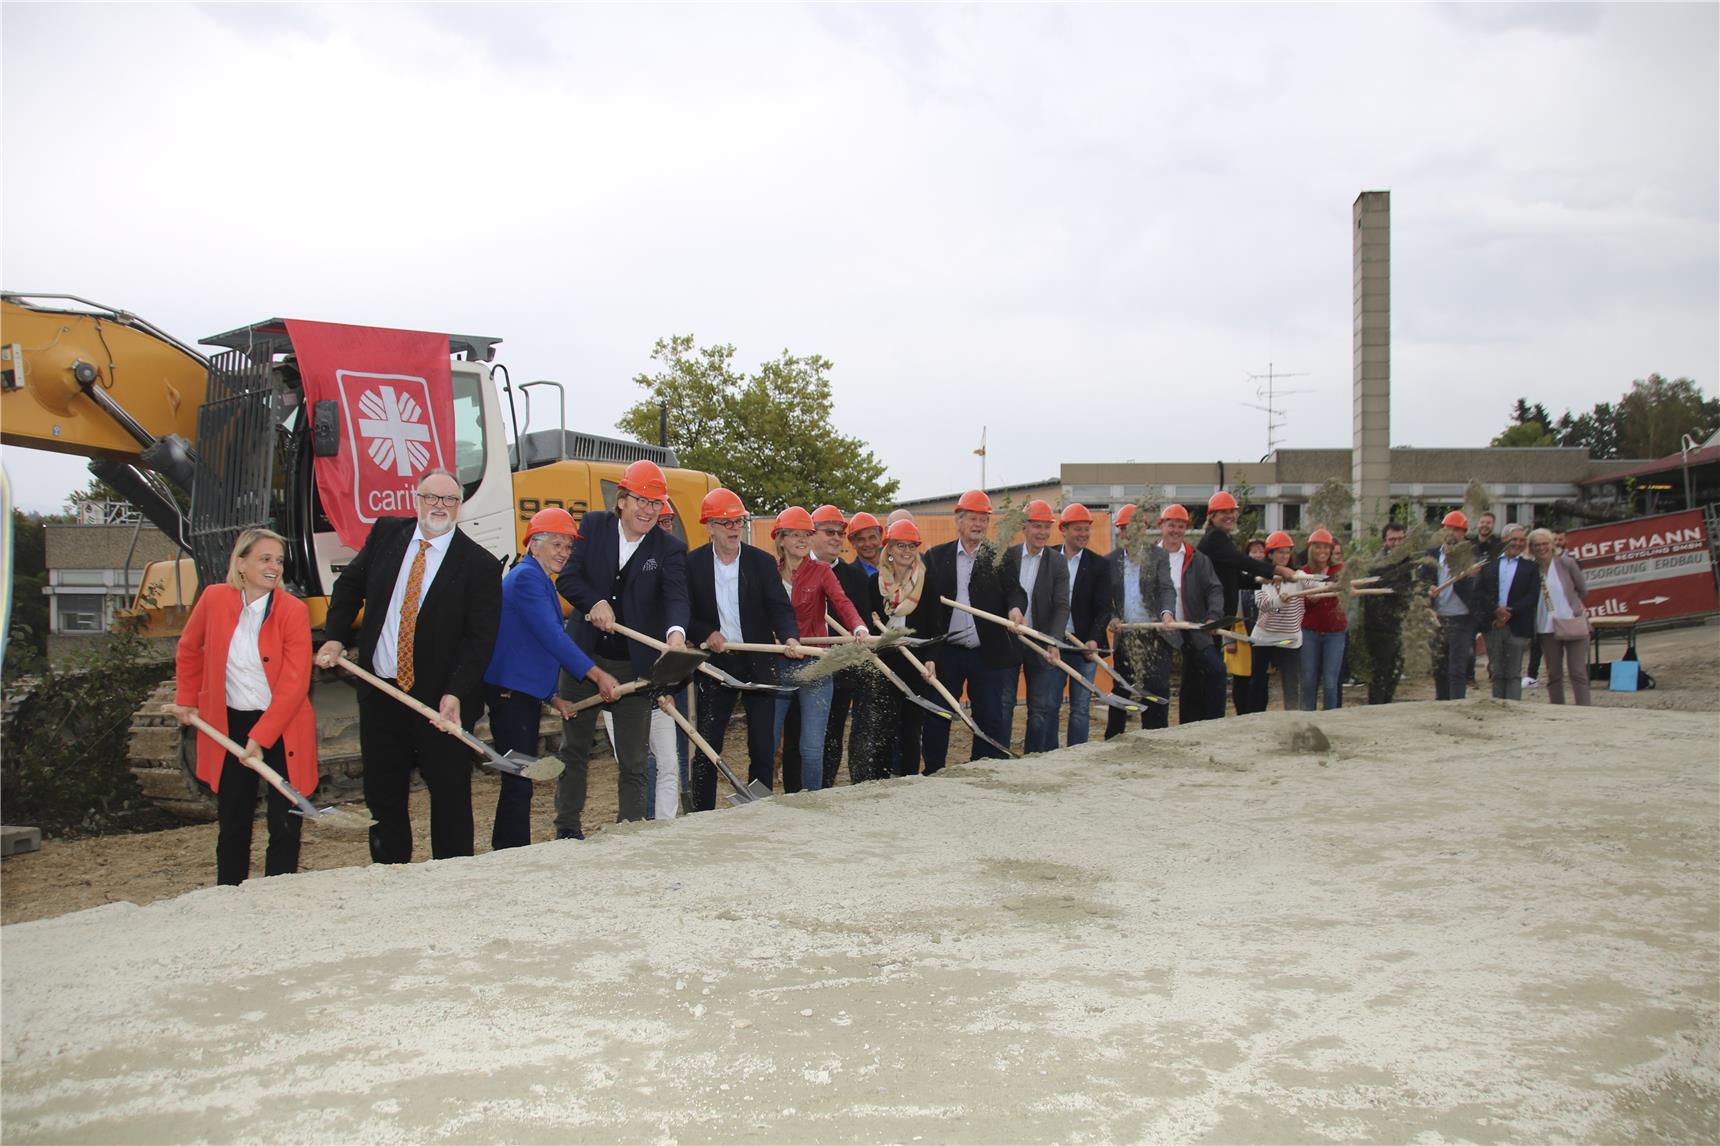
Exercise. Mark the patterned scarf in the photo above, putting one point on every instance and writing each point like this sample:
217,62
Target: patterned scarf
901,596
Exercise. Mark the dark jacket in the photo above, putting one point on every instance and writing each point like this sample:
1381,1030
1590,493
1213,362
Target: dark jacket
1455,564
1203,594
1050,597
766,616
532,646
1522,596
1396,571
1232,566
856,586
985,591
1090,593
654,600
457,619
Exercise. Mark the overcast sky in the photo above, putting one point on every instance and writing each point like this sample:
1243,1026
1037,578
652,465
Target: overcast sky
1082,227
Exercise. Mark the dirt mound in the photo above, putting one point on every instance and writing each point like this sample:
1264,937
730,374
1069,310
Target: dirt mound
1477,921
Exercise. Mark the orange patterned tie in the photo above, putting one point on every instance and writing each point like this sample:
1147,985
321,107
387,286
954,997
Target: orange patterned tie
409,618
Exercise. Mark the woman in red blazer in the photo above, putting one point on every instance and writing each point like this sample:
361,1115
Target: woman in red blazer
244,665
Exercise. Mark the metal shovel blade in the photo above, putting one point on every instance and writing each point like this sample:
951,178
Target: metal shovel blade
1116,701
755,790
934,709
732,681
1003,748
1138,692
675,667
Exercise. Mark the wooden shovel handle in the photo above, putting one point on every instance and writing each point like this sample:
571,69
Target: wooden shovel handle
755,647
889,673
630,687
402,696
1015,627
1073,675
254,763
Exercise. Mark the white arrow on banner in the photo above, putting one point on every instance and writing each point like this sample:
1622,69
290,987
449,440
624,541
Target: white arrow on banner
1655,601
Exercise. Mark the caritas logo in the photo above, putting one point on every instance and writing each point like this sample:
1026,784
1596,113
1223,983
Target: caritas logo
391,429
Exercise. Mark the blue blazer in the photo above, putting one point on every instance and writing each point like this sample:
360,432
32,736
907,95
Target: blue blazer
656,597
531,645
1522,596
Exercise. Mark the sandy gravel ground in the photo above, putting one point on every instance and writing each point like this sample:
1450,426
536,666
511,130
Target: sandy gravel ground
1478,922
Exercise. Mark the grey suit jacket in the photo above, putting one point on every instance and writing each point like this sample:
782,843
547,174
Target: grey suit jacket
1050,589
1203,594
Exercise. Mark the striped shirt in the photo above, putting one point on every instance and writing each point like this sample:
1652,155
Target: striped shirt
1279,619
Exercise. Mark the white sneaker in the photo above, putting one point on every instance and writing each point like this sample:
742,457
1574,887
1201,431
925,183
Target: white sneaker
1531,682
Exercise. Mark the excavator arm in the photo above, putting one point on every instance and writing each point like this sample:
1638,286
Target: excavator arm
80,378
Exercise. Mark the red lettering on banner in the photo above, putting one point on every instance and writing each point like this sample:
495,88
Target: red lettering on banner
396,399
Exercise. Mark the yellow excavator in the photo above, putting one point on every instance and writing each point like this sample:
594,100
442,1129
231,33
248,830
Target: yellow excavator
248,435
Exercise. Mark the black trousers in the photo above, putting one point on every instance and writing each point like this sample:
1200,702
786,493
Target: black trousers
514,724
1289,662
1385,662
888,726
1142,660
236,810
395,740
716,706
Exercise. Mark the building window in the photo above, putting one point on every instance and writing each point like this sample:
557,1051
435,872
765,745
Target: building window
1292,519
78,612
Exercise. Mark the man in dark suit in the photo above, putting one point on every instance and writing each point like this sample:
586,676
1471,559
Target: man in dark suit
736,594
1090,592
1507,596
623,570
979,653
1186,587
1454,605
435,602
1036,586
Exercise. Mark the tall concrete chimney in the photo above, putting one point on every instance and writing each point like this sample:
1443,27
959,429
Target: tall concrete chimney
1371,401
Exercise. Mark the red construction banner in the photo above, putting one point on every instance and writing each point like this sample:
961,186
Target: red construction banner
1655,567
396,417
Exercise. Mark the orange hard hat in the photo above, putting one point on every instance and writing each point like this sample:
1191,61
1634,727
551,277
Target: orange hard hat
1220,500
1124,515
1074,513
828,515
794,517
862,520
721,505
1456,520
1321,536
1040,510
903,531
1175,512
552,519
645,478
668,512
1279,540
974,501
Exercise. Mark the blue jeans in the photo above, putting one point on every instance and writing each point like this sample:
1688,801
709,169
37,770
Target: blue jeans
958,666
814,699
1080,700
1044,699
1322,664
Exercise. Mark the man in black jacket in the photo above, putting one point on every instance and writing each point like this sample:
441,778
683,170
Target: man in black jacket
1382,617
1089,608
735,593
1507,598
1186,587
1234,568
1036,586
435,602
623,569
979,653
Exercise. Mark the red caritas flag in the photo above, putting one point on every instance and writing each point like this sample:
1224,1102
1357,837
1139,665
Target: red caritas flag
396,417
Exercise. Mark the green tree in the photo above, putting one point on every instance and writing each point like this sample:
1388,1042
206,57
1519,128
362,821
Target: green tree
1656,414
1524,434
766,435
28,638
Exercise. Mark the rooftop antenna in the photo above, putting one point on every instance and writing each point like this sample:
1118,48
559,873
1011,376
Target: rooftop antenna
1266,389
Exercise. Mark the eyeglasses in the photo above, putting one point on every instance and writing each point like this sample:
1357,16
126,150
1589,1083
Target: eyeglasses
448,499
649,503
833,531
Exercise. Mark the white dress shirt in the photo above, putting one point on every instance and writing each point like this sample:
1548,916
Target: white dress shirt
728,584
1134,608
962,630
1029,574
385,661
247,687
1179,557
624,552
1507,570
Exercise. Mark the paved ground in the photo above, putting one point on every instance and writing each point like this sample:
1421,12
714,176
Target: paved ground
1478,922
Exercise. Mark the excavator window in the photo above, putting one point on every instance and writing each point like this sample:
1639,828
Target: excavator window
470,450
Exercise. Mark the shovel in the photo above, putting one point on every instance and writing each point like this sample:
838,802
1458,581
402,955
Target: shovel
1262,642
895,642
509,763
906,689
1018,629
670,671
727,678
955,705
1127,686
330,817
743,793
758,647
1109,698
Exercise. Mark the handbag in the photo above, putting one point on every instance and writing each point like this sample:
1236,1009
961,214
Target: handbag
1564,628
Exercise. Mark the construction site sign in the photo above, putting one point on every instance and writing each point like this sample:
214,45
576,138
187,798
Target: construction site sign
1654,567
